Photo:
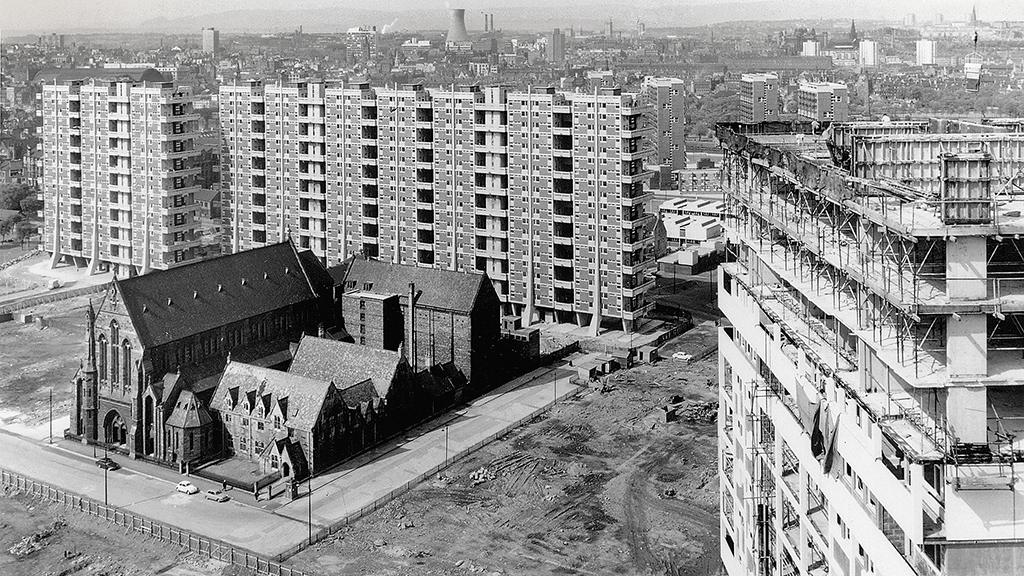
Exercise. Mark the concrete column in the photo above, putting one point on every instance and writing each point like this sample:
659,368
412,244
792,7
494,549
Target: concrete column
967,413
966,345
966,268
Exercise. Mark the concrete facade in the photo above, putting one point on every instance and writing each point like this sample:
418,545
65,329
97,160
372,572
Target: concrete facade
119,175
542,190
870,370
759,98
666,95
824,102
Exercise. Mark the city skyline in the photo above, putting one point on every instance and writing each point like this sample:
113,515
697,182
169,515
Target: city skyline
175,16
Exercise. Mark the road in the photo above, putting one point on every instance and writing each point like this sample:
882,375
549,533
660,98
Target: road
151,496
696,294
149,490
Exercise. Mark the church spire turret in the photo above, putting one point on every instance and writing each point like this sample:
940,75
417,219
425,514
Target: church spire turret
90,388
90,364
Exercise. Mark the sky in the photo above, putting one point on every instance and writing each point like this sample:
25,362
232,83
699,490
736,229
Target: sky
71,15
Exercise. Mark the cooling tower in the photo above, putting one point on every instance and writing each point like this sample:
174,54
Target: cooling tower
457,25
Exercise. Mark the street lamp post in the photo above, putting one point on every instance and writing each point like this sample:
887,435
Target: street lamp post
445,446
309,509
51,414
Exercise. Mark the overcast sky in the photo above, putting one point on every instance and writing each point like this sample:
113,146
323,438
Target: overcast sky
68,15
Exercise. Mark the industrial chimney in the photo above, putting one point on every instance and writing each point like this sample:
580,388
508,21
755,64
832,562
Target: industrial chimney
457,25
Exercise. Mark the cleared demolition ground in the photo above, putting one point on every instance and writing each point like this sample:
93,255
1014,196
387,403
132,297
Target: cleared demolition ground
599,485
38,355
38,539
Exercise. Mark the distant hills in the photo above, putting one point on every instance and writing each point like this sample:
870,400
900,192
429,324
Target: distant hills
533,18
530,15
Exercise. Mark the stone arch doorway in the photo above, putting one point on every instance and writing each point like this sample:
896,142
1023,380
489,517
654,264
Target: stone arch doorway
114,429
286,470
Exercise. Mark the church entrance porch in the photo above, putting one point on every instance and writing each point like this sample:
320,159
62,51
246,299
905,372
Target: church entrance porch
114,429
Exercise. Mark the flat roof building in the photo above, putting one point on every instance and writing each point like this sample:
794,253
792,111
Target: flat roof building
666,96
211,41
823,101
119,172
759,98
492,180
925,52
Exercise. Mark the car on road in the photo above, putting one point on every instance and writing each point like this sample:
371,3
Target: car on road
186,487
217,496
107,463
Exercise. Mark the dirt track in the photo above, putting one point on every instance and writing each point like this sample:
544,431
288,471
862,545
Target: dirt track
597,486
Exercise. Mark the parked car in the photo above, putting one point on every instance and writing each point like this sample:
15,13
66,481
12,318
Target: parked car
107,463
186,487
217,496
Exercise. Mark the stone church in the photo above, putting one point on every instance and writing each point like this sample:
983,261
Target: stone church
157,344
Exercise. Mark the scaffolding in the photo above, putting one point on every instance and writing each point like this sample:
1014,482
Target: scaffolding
873,247
761,439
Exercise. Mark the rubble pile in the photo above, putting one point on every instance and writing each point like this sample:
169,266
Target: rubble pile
701,412
36,541
481,475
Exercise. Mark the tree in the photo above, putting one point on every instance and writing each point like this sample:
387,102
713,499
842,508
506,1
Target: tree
11,195
24,230
7,224
30,205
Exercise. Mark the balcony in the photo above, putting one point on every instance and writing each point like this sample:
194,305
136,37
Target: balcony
637,220
639,289
638,266
638,313
635,177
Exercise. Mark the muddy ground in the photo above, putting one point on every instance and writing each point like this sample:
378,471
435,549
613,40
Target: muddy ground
37,356
599,485
38,539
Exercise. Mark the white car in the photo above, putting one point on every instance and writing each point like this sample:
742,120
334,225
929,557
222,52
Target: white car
217,496
186,487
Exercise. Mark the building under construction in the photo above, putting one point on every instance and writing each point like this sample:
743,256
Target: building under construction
872,409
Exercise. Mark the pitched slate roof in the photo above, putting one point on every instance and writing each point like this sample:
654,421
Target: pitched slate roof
188,412
241,381
440,289
168,305
69,74
345,364
360,394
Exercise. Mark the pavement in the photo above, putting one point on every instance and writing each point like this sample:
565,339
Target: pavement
35,275
373,477
278,526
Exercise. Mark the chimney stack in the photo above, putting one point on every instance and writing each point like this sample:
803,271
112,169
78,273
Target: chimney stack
457,25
